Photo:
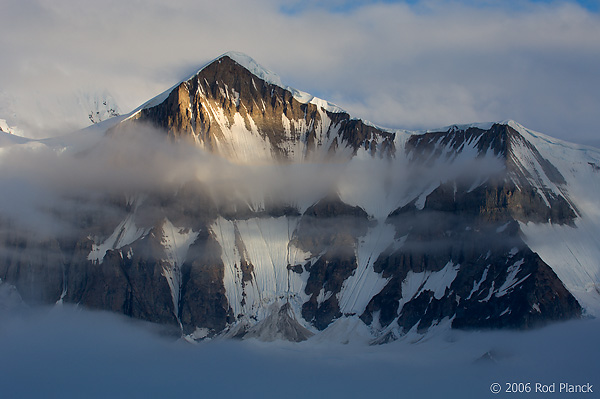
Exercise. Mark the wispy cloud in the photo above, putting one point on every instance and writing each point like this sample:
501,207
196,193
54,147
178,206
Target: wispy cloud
400,64
49,191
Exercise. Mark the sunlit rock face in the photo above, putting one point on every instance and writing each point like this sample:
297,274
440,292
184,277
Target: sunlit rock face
230,111
333,222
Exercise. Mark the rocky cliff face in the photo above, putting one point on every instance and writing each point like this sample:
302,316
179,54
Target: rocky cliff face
230,111
449,243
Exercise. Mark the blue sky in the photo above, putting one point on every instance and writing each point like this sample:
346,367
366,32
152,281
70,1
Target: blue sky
294,7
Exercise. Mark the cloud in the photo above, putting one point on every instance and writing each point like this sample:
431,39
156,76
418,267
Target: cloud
398,64
70,353
50,190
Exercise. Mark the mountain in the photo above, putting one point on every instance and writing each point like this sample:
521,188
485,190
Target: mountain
241,111
68,110
302,221
100,106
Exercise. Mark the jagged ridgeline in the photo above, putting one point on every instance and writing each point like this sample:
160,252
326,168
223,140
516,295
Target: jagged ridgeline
336,227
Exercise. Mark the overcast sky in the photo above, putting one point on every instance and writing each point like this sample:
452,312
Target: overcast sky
399,64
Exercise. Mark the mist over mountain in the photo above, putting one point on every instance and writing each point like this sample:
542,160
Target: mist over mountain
234,206
98,355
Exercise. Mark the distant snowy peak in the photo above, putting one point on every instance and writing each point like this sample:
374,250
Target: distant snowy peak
10,135
4,127
100,106
69,111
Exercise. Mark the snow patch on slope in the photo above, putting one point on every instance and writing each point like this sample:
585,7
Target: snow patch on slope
364,283
437,282
240,144
176,243
511,279
125,233
267,247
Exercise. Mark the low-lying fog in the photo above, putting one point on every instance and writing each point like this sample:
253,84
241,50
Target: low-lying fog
67,352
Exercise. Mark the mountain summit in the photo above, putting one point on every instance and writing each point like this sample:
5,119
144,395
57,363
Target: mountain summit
344,229
240,110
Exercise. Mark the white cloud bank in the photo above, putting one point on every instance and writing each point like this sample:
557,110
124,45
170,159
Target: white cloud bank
70,353
424,65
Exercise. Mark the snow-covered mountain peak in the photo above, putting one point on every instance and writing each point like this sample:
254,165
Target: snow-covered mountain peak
251,65
7,128
320,220
271,77
238,109
257,70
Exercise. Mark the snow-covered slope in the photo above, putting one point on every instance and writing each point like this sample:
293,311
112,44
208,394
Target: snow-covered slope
386,234
571,250
68,111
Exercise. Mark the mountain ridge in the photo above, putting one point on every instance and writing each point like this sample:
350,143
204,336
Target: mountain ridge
395,231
